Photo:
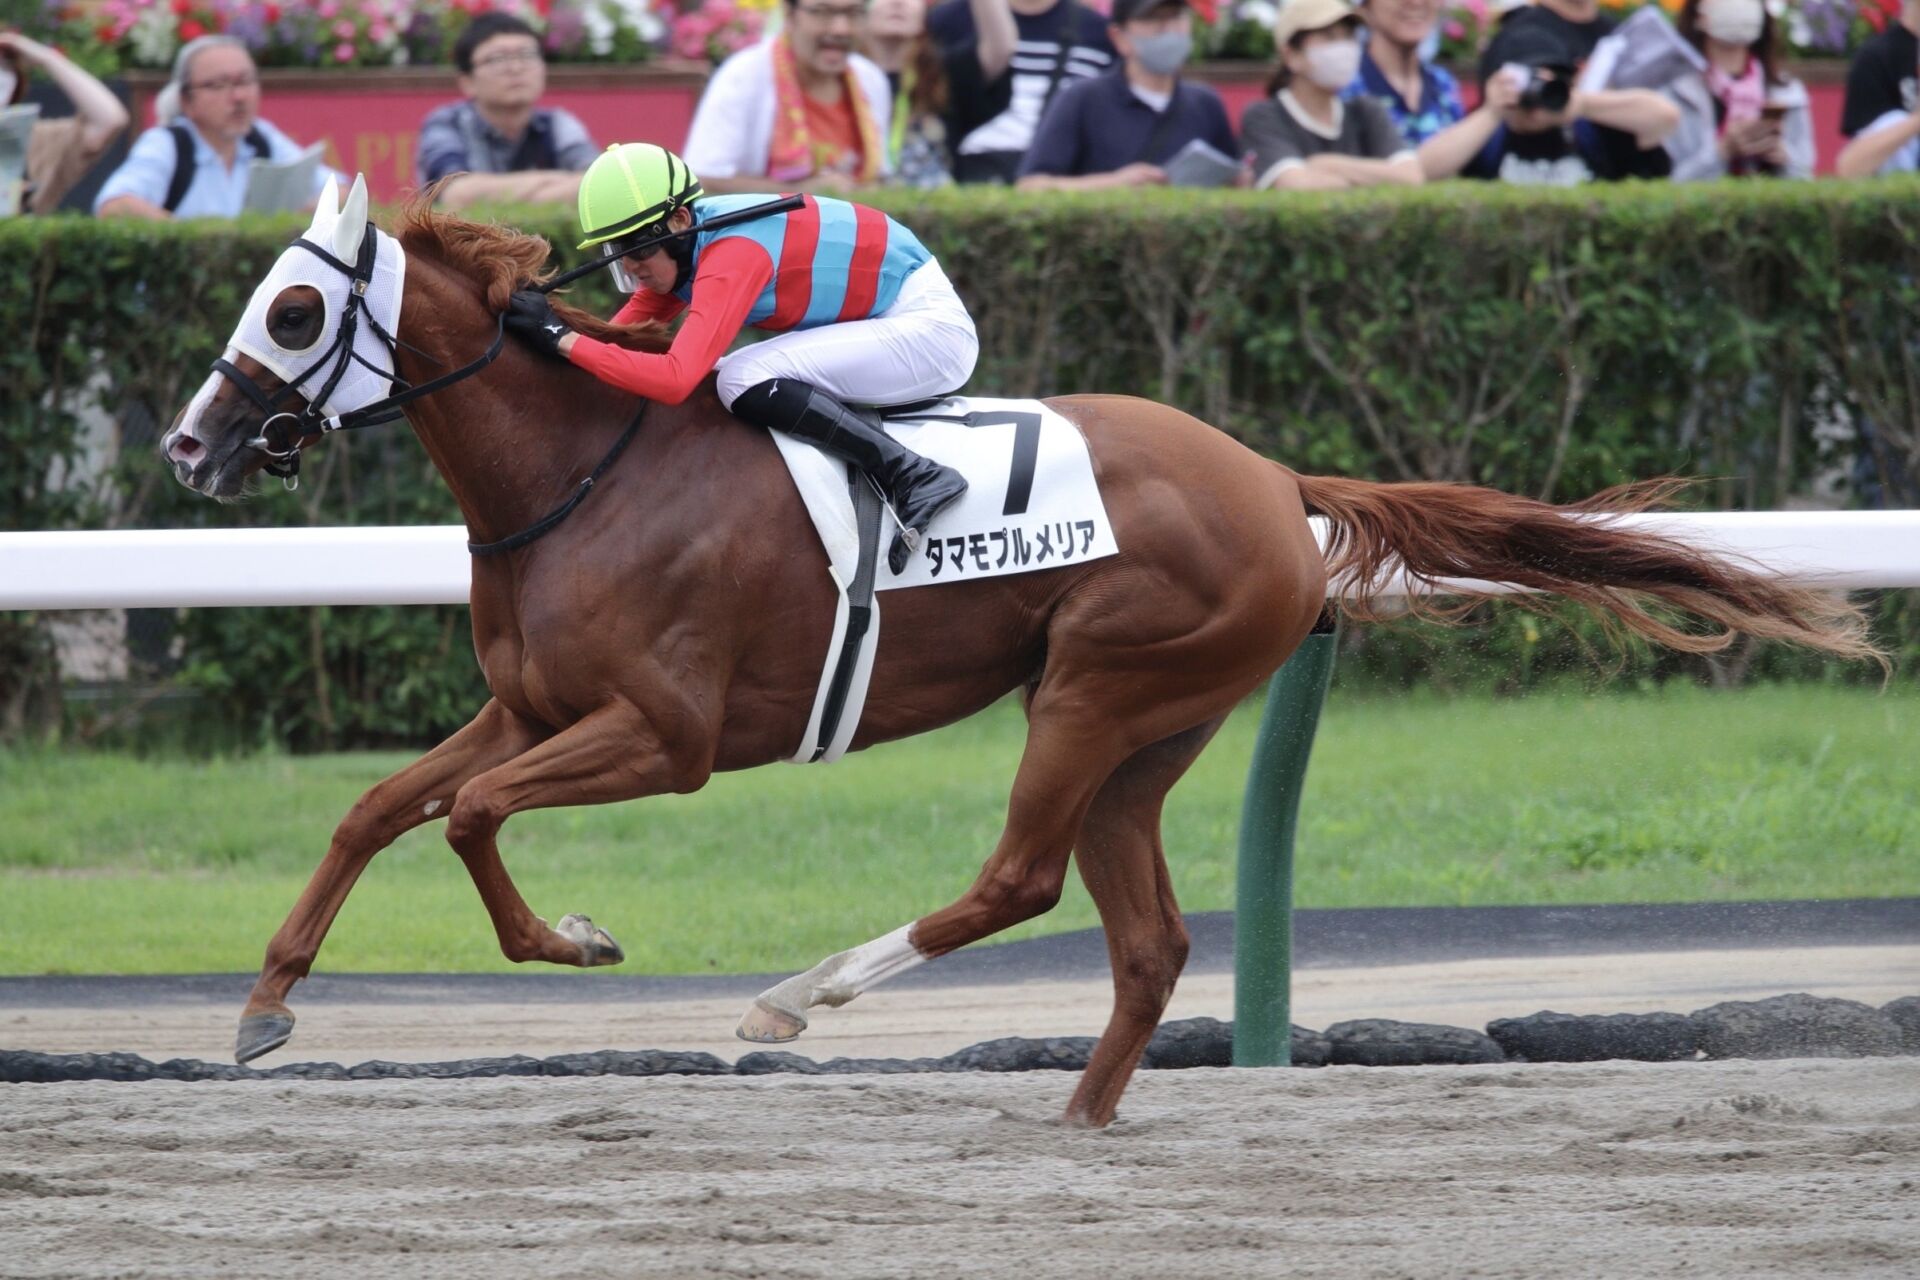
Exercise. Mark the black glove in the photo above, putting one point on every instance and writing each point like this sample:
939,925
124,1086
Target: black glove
530,317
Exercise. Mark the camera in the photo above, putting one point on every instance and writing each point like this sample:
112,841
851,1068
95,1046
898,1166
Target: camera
1545,89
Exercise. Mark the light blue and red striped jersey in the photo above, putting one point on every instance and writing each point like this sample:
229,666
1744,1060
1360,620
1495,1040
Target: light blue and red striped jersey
833,260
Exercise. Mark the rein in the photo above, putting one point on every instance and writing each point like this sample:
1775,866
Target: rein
283,443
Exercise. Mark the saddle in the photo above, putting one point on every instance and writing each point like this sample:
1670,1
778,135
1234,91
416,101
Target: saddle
1031,504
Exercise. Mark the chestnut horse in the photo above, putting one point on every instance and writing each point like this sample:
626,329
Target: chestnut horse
675,623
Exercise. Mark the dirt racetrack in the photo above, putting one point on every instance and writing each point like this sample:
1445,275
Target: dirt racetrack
1785,1168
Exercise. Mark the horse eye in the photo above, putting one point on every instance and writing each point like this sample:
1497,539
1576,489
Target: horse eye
293,316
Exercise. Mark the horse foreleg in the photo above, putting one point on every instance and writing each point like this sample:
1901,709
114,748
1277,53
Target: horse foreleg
418,793
1057,778
612,754
1124,866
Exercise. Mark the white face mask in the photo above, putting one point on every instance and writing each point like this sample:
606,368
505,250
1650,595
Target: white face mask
339,230
1733,21
1332,64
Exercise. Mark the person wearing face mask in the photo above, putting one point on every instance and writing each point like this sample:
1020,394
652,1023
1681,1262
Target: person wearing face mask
800,111
1882,113
1742,116
1118,130
1304,137
1421,98
59,152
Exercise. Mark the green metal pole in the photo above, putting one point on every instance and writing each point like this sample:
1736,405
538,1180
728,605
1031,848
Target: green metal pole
1263,902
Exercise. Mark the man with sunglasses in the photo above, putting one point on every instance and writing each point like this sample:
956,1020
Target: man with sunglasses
861,313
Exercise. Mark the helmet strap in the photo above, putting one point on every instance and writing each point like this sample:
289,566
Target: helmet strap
680,249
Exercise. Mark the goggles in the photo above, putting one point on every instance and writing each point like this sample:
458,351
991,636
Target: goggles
641,244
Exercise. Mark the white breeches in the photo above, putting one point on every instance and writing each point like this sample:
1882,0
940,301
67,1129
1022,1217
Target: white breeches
921,346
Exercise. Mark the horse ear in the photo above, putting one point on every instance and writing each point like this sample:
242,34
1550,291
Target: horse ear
352,226
326,212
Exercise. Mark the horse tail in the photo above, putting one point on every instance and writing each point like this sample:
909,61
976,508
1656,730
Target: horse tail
1626,576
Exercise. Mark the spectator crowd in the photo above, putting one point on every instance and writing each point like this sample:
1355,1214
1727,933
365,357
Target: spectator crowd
1052,94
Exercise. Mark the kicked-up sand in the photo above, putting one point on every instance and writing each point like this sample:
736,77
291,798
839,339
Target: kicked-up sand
1721,1169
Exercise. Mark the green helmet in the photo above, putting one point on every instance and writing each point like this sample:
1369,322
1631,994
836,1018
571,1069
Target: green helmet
630,187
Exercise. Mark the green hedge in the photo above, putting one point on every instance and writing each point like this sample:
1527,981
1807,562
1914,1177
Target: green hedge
1549,343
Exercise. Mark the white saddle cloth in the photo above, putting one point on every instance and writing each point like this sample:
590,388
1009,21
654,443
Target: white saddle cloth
1031,504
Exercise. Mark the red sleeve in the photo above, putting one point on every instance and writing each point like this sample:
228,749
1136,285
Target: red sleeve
730,276
646,305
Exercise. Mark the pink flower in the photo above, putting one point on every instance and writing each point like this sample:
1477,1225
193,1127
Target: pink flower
1454,30
328,9
343,52
344,29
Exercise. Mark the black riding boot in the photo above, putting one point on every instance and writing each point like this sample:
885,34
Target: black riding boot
918,488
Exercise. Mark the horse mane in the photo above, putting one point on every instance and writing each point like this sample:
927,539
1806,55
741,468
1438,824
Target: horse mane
501,260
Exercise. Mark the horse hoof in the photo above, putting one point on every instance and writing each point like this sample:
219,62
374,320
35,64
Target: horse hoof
765,1024
597,946
261,1033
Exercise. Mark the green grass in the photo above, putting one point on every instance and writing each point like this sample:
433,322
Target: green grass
110,864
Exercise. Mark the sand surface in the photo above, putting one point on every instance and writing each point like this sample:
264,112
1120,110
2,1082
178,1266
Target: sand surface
930,1022
1729,1169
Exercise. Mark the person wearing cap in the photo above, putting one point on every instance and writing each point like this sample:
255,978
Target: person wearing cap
1421,98
1117,130
498,142
197,162
59,152
1576,25
1535,126
1304,137
861,313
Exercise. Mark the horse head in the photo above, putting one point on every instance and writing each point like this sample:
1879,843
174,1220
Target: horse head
315,342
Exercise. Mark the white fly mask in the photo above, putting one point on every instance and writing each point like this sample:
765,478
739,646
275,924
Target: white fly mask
365,372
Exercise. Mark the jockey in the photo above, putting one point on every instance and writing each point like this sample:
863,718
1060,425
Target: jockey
861,314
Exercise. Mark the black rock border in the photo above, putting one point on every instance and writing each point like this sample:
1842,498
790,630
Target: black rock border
1787,1026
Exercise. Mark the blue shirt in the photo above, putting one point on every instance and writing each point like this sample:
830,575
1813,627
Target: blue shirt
1439,104
216,191
1100,125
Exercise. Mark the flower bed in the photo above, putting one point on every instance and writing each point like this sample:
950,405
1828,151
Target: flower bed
115,35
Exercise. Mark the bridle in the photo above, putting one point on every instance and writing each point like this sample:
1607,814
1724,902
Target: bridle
283,444
285,432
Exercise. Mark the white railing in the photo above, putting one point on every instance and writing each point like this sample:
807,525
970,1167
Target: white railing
154,568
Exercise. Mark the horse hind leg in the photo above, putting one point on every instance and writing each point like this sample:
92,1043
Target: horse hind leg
1059,773
1124,866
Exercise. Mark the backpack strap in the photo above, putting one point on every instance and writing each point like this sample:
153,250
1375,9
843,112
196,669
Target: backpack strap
183,163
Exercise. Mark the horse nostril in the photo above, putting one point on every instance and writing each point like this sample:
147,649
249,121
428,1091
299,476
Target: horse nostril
183,448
